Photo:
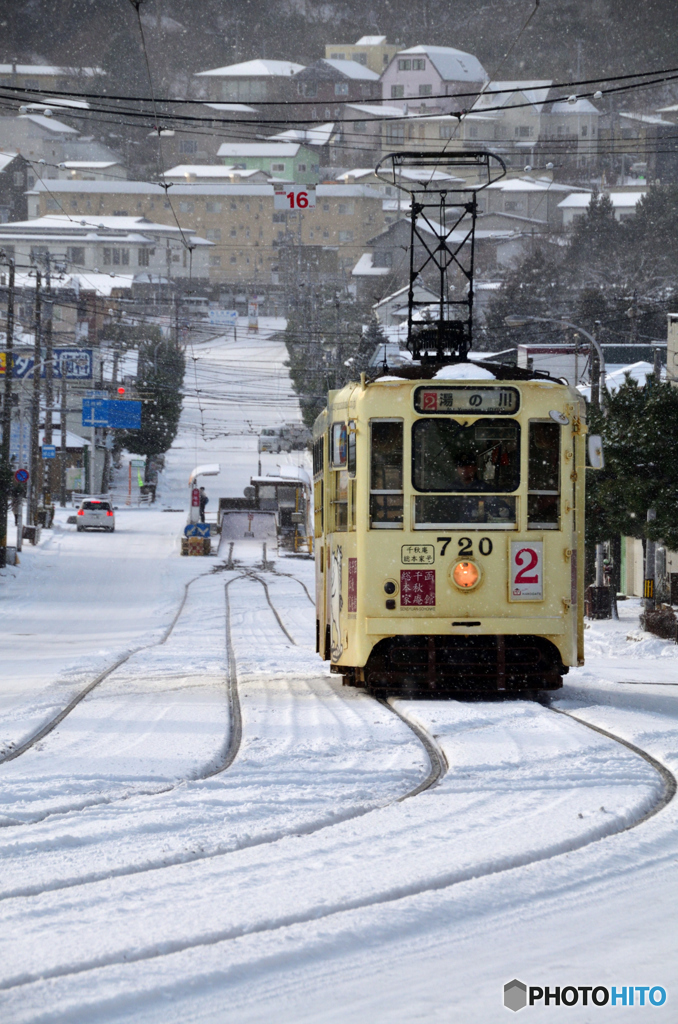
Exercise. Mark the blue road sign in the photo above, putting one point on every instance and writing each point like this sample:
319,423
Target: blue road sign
124,415
49,451
103,412
197,530
21,475
74,363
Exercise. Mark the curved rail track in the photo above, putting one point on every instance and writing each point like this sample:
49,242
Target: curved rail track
438,768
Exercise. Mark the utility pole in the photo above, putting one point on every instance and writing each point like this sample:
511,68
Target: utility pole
48,482
33,486
5,466
63,366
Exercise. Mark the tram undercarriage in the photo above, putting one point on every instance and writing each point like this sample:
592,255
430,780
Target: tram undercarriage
460,665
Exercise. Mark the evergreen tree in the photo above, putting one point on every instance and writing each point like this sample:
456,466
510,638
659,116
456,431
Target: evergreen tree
640,438
159,380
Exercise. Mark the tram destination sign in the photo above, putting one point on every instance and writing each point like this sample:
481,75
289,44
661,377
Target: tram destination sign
472,401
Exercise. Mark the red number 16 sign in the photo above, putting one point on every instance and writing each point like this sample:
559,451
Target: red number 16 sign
527,570
294,199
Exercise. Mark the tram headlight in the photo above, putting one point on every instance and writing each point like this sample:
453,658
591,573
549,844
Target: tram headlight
465,575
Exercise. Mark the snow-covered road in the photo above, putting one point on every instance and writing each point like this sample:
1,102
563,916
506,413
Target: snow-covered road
148,876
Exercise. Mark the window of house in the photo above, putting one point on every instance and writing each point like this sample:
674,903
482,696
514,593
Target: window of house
418,64
234,259
395,133
337,56
360,58
51,204
311,234
512,205
143,257
326,207
561,129
213,234
75,254
277,168
234,206
425,90
18,179
215,260
404,65
326,234
447,131
188,146
185,206
346,237
308,89
584,131
213,207
301,168
397,92
116,257
234,232
360,126
523,131
346,208
473,131
386,474
341,88
278,218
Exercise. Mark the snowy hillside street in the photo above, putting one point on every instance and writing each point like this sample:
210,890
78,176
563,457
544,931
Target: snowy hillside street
219,830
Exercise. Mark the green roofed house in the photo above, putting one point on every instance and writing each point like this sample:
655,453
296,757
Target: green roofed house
286,161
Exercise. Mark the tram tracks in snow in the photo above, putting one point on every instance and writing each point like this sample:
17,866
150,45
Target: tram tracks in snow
437,769
437,766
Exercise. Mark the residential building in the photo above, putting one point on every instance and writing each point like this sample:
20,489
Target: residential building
240,220
108,245
91,170
288,161
372,52
37,137
525,202
15,178
643,146
332,83
214,173
35,77
251,81
433,77
574,206
570,133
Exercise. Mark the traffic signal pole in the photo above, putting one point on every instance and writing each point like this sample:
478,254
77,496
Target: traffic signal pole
5,451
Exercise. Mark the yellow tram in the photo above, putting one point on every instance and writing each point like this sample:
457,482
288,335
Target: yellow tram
449,526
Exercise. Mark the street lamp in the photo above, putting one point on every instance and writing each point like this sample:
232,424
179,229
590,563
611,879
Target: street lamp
520,321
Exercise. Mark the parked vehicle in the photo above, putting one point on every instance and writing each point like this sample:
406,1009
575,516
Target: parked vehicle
95,514
287,438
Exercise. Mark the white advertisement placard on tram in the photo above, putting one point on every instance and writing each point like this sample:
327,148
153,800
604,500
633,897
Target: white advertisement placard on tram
527,570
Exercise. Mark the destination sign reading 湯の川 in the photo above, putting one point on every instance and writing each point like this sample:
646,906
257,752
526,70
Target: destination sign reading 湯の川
472,401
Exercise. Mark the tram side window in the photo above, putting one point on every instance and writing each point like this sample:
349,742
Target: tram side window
543,476
339,501
386,474
318,453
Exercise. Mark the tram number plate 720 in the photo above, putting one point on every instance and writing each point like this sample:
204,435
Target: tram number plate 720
527,570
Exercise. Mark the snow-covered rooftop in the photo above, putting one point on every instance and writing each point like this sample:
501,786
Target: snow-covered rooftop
374,110
452,65
258,149
48,69
90,165
371,41
232,108
620,200
258,68
352,69
5,159
317,136
580,106
647,119
535,91
365,268
50,123
209,171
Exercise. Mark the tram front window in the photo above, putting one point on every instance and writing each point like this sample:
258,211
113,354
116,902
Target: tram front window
478,464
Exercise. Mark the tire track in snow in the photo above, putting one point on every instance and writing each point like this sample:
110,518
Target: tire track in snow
323,912
47,728
437,768
224,762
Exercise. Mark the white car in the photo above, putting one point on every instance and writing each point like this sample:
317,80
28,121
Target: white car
94,514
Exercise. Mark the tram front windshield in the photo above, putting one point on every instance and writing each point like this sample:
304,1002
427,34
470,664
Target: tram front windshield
454,458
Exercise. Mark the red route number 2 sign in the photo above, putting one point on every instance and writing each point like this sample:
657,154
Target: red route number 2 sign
527,570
